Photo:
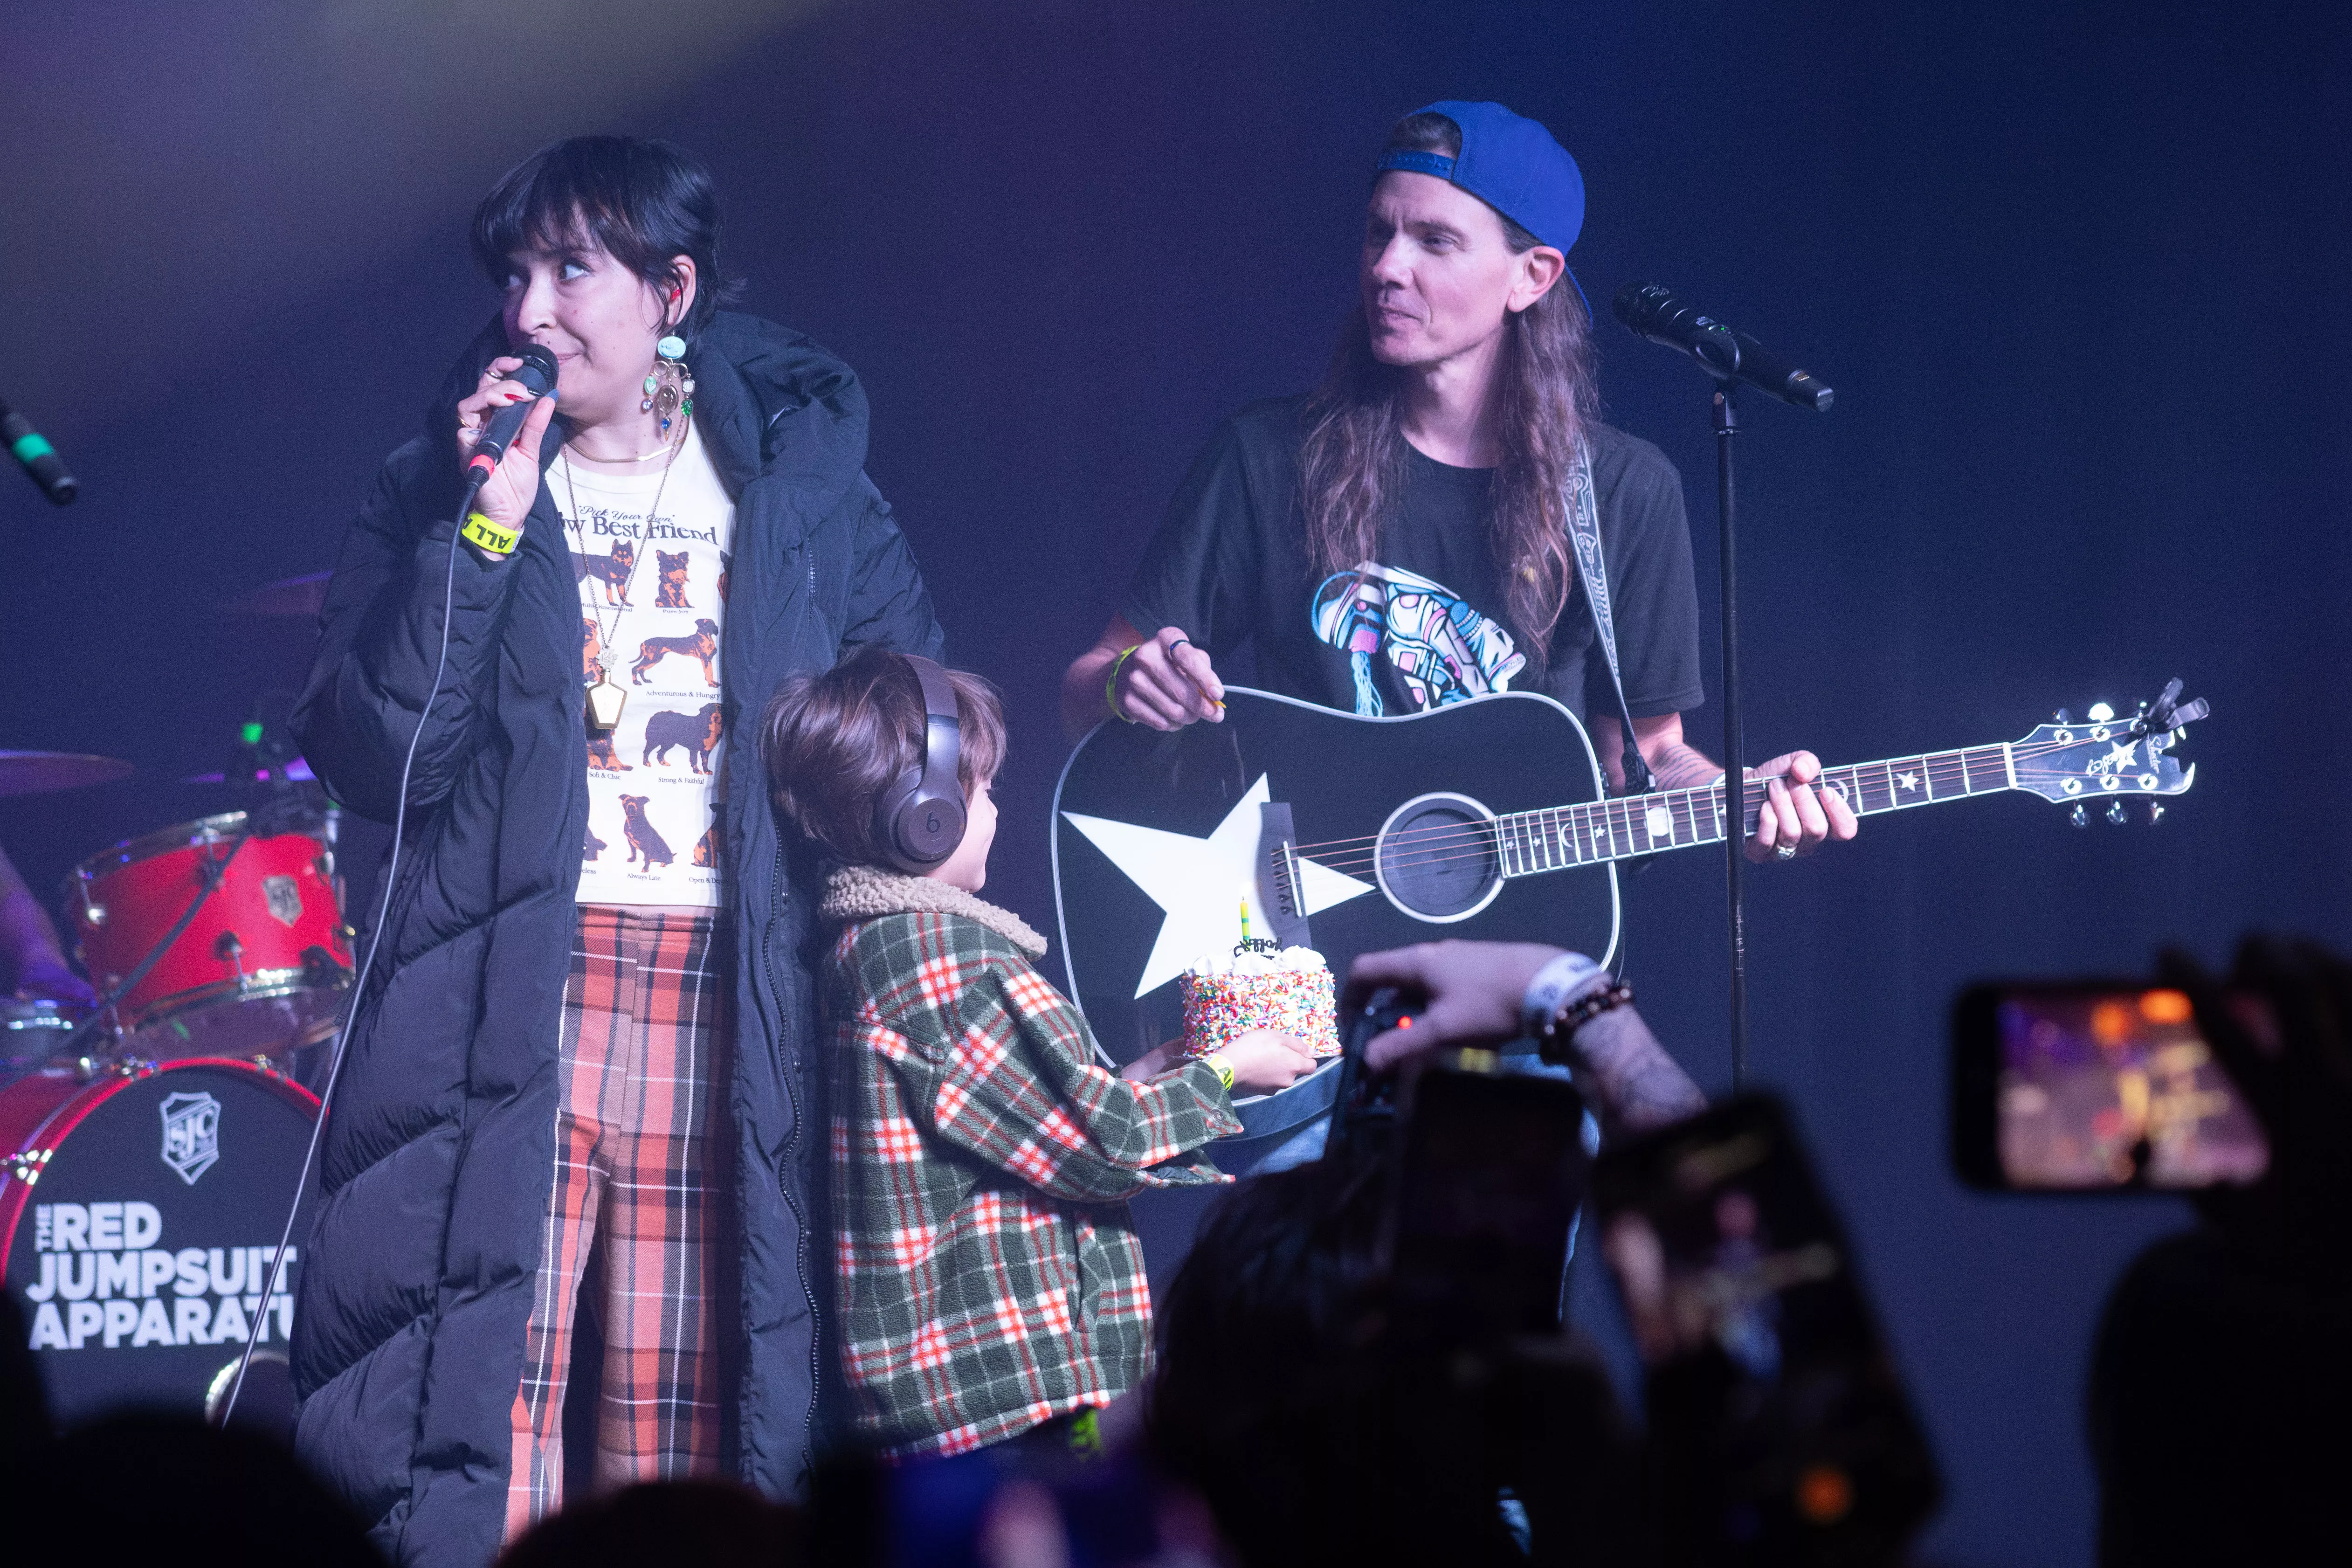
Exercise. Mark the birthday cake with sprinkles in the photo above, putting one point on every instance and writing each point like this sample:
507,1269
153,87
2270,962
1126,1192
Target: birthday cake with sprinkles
1258,988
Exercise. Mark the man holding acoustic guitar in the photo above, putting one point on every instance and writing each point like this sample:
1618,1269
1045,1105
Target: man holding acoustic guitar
1406,537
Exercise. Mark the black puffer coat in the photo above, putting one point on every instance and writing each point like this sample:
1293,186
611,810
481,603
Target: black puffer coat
440,1145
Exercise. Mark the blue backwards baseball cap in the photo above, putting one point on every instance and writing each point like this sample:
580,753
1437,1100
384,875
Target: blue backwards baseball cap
1512,164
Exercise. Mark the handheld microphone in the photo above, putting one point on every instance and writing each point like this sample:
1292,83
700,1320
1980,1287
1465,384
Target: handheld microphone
40,459
536,377
1650,311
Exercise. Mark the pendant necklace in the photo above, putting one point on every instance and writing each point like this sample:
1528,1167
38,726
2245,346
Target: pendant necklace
605,699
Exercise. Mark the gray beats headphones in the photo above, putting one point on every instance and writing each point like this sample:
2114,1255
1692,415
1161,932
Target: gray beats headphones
920,818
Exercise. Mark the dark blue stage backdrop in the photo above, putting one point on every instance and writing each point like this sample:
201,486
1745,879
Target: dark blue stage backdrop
2077,273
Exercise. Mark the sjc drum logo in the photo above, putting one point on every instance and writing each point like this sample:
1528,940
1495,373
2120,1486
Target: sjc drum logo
190,1134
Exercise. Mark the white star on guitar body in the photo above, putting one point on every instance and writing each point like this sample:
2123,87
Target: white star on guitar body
1200,882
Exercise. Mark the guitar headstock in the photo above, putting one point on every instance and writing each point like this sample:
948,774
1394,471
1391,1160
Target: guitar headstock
2105,758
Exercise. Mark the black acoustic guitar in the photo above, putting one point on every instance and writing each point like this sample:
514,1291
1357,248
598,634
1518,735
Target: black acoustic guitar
1482,819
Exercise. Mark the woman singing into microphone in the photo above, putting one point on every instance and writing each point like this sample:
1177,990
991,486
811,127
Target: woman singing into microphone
579,1092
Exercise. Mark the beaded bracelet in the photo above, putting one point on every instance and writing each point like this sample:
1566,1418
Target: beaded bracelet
1111,687
1552,1039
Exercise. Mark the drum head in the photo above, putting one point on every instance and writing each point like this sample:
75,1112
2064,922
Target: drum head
140,1255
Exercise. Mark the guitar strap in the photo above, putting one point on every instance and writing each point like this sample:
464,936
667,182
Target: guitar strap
1584,534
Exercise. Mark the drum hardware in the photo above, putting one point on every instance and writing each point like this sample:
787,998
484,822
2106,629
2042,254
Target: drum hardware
37,1025
115,992
216,1392
27,1164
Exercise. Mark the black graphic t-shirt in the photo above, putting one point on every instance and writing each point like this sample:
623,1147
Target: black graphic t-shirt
1425,624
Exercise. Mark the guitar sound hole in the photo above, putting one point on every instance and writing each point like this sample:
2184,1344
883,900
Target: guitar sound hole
1437,860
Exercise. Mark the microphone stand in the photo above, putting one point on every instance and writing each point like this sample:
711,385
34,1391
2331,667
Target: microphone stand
1718,356
1650,311
1725,407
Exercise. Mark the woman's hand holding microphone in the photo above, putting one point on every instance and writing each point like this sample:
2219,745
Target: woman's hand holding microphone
494,524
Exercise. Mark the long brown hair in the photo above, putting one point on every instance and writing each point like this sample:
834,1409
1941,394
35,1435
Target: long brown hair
1352,460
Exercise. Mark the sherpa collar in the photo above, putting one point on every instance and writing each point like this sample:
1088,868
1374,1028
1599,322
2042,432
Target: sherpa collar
864,893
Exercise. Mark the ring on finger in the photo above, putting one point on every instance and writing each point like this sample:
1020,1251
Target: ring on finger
1785,852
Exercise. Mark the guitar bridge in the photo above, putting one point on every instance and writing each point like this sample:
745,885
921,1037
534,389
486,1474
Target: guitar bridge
1280,890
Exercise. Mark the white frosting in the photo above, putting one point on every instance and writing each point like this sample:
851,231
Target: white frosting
1251,965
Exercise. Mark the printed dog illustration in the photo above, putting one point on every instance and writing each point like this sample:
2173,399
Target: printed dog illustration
697,733
612,570
645,844
592,647
726,565
671,593
706,849
594,845
703,645
601,754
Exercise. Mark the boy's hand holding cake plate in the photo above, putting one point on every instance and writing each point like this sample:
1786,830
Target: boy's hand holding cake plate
1261,1061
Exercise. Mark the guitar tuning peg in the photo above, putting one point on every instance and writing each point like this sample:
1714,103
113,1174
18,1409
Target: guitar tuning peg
2155,812
2116,814
2100,713
2061,717
2078,816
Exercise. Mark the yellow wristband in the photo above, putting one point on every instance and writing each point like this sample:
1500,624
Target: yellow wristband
1216,1063
1111,687
485,534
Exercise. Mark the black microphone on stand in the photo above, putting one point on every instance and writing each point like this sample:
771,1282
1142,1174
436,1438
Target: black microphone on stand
40,459
1651,310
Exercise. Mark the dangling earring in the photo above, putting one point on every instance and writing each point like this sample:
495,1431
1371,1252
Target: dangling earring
670,389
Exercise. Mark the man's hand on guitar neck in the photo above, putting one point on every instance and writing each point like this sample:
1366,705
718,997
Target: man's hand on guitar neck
1163,681
1795,816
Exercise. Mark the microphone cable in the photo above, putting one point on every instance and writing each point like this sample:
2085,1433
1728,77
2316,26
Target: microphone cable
367,964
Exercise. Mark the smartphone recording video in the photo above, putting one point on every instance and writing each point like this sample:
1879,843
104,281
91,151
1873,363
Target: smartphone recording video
2093,1087
1493,1169
1766,1362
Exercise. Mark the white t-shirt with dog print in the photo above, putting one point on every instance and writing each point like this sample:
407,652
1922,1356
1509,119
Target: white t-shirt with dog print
652,602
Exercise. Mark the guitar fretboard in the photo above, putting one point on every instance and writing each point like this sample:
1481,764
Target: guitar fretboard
1555,837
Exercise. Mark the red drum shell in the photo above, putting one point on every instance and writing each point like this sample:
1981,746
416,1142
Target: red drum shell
261,966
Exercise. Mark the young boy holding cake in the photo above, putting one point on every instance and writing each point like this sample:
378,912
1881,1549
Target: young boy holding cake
988,1282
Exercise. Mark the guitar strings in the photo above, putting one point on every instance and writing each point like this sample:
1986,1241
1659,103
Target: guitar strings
1490,839
1947,766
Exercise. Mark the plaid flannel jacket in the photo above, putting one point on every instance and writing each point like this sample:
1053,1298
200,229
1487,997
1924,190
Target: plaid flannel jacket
988,1277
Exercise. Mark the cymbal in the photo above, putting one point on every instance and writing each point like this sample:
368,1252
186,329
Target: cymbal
39,772
289,596
297,770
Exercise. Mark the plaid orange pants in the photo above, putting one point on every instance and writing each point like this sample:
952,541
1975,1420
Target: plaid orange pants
637,1210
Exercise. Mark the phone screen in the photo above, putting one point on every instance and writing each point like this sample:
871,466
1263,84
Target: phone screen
1494,1168
1741,1287
2115,1087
